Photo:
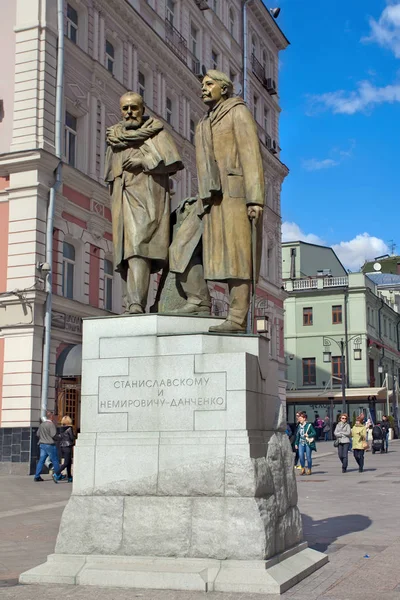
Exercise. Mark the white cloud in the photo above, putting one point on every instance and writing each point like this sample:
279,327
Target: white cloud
386,31
352,254
366,97
291,232
364,246
314,164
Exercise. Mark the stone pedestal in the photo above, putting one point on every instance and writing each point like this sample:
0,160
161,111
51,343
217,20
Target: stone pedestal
183,475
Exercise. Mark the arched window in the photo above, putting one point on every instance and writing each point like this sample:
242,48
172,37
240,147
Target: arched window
68,270
232,22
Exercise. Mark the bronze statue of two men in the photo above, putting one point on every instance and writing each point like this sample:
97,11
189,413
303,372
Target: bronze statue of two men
212,239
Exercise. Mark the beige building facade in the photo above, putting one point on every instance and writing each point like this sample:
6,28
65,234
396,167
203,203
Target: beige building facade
158,49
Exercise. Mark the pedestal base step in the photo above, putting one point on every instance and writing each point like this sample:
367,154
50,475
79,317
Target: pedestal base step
274,576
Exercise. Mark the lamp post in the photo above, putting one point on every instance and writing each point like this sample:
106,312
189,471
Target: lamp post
328,357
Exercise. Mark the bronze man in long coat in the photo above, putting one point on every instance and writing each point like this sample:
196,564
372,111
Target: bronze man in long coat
140,157
231,194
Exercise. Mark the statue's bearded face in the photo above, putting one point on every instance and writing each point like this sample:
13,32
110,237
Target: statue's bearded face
212,92
132,110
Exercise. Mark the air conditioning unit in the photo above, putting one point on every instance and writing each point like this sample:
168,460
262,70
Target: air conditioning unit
268,141
172,186
270,84
202,4
274,148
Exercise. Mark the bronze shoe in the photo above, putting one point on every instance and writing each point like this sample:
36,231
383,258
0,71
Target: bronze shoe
227,327
192,309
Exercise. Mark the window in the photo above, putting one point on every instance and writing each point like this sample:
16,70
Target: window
170,11
232,22
191,131
108,284
70,138
214,59
110,56
336,368
168,110
255,107
368,315
266,120
384,326
72,24
307,316
337,314
264,61
68,268
253,45
193,40
215,6
142,85
309,374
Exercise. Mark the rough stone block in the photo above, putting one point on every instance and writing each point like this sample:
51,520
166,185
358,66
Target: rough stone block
91,525
156,526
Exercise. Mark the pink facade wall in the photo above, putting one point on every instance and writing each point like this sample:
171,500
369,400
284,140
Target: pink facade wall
94,276
4,216
7,52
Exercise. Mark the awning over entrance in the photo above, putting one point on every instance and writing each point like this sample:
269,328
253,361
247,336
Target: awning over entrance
69,363
315,396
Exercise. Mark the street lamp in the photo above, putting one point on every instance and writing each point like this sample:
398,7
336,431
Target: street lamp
328,357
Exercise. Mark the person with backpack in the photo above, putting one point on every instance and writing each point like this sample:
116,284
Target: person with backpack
305,443
66,440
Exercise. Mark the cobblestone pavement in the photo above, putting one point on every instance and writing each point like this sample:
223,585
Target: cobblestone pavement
353,517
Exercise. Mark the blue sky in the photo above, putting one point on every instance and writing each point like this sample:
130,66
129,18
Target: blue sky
340,124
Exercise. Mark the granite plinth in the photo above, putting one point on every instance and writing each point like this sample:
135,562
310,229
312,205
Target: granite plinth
183,457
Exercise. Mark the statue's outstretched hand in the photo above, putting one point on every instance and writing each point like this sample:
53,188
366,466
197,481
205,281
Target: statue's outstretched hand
254,211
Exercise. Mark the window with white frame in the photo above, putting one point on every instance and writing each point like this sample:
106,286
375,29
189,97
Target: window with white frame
232,22
68,270
214,59
266,119
168,111
70,136
108,284
191,131
142,85
110,57
170,11
255,107
72,24
194,35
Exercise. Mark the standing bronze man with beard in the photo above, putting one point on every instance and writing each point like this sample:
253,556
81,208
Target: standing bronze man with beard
140,157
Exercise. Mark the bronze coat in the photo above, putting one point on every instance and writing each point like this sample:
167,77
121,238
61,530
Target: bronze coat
226,227
139,187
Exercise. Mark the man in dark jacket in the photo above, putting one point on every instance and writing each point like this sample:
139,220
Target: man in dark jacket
46,434
385,426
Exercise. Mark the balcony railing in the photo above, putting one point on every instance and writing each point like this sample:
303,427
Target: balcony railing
258,69
316,283
305,284
335,281
175,41
178,45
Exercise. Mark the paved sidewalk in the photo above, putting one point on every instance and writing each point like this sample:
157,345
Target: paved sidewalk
353,517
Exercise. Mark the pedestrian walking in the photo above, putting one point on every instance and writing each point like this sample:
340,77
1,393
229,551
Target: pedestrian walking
318,426
67,441
342,440
305,442
359,437
295,449
46,433
385,425
327,428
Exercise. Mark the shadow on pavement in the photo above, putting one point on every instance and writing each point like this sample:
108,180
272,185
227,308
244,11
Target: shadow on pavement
320,534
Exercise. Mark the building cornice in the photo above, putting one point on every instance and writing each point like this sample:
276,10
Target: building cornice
267,21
